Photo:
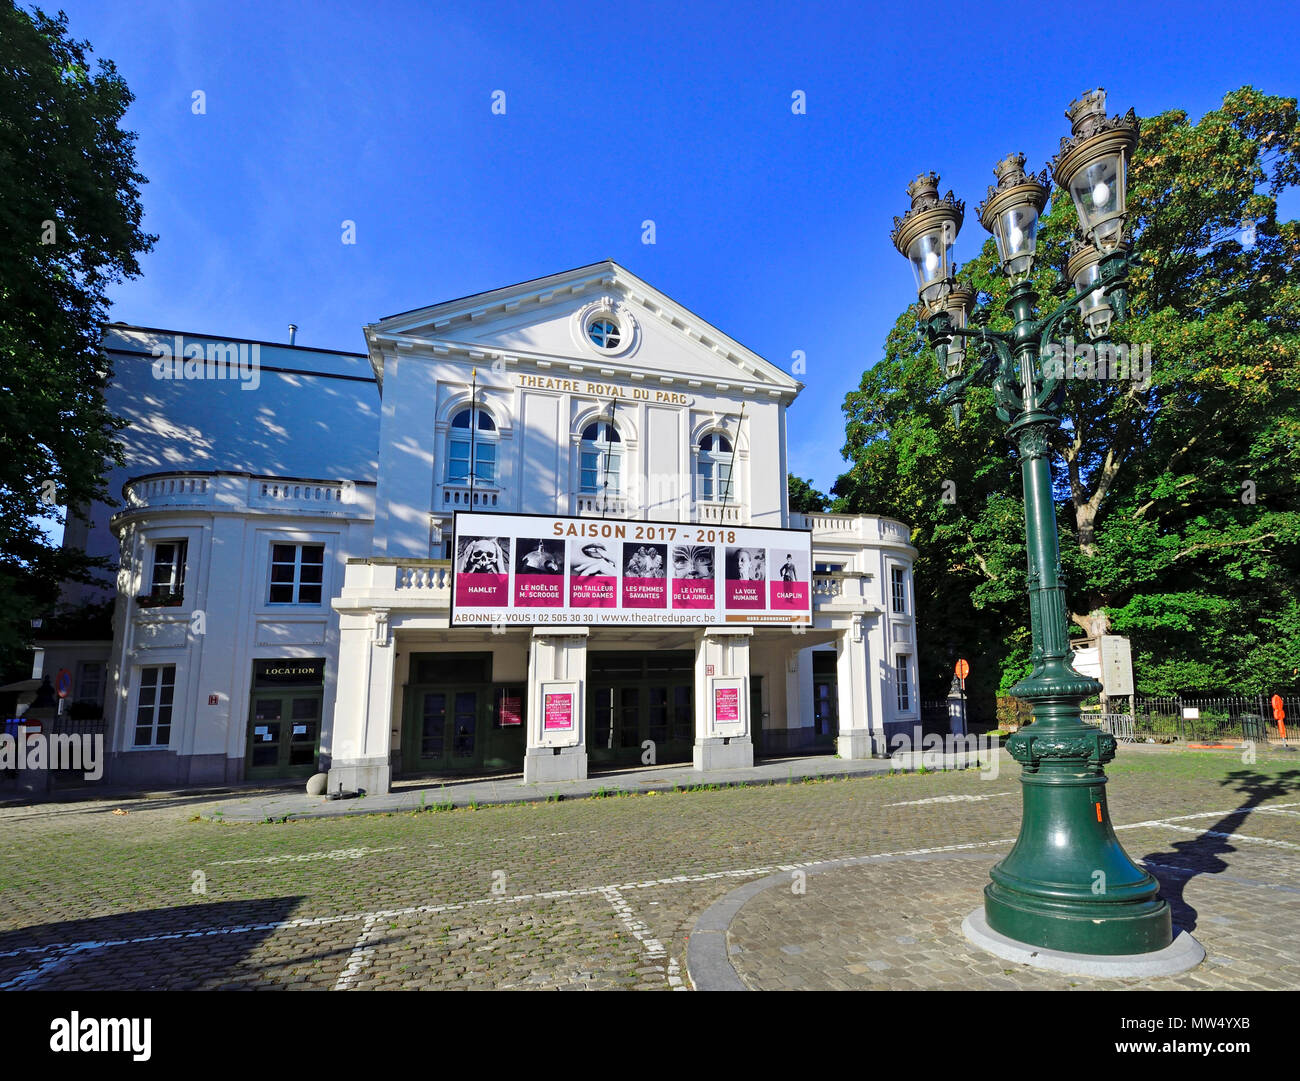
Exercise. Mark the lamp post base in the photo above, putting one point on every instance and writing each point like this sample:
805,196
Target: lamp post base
1180,955
1075,926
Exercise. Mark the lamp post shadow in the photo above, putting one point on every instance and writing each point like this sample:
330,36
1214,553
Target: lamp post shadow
1201,855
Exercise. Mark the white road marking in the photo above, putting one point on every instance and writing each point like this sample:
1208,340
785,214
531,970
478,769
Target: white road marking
675,975
948,799
653,947
361,954
336,854
1228,836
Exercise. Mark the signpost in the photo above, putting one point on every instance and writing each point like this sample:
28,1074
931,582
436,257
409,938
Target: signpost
63,686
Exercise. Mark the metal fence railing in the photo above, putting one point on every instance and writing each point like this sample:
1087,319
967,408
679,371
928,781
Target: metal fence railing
1119,725
1237,717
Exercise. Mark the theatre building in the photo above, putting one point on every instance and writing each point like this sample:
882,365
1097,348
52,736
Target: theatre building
538,530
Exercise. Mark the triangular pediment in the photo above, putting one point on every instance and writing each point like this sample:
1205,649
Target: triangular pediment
544,323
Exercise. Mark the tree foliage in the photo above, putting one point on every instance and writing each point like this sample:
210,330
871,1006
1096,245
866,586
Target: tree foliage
70,227
804,498
1177,496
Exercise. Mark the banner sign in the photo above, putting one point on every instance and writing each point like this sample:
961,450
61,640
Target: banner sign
729,711
726,704
558,712
527,569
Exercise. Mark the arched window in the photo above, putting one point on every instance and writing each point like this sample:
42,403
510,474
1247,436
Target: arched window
482,447
714,468
600,459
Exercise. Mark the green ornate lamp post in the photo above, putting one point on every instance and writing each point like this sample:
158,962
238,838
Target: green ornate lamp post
1067,885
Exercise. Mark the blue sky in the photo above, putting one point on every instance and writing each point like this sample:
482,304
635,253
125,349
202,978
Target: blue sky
772,226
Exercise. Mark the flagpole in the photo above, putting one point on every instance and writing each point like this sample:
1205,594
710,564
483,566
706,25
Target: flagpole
731,465
473,426
609,449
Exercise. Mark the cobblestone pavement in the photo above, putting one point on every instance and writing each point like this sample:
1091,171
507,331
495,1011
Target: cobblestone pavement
602,893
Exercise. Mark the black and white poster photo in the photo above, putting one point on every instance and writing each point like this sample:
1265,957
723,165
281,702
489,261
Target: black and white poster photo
747,564
645,560
693,561
591,558
788,566
539,555
483,555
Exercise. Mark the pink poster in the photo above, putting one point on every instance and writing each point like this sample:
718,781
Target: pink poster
693,593
745,595
558,712
645,592
481,590
511,711
726,704
788,596
539,590
595,591
645,575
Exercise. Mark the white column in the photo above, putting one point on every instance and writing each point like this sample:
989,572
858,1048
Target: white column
360,737
722,666
557,670
853,681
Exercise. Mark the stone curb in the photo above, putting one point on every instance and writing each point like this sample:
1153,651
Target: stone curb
1180,955
708,960
407,802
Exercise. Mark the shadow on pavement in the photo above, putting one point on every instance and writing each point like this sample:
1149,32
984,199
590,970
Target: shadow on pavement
181,948
1184,860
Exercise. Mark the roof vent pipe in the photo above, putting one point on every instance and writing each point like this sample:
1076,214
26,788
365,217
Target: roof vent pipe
293,329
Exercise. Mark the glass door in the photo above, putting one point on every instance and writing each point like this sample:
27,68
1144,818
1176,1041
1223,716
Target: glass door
264,737
443,729
283,735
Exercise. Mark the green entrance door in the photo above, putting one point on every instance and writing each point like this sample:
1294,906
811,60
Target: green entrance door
826,699
635,698
283,734
456,720
448,730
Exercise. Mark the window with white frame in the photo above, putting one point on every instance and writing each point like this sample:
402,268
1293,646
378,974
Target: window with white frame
713,469
297,573
901,678
898,588
153,709
168,567
600,459
472,446
90,682
604,332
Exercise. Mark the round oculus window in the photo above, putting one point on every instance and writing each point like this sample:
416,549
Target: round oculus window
604,332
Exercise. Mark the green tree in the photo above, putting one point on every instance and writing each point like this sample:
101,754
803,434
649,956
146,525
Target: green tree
70,218
1160,537
804,498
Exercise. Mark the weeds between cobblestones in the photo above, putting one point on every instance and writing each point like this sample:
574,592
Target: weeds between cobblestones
602,893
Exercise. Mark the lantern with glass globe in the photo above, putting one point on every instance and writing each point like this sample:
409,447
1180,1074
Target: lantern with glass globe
1043,901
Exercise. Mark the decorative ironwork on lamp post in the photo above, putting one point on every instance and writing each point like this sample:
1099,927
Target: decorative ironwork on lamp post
1067,884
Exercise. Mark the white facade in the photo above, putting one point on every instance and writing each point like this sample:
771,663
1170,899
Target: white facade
291,541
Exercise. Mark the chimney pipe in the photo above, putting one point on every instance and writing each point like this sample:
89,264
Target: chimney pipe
293,329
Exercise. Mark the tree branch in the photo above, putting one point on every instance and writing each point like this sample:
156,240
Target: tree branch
1225,544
